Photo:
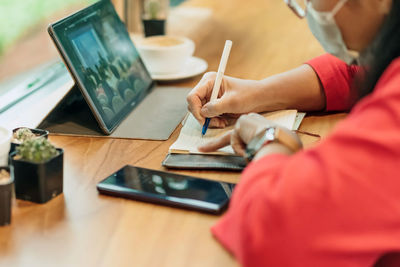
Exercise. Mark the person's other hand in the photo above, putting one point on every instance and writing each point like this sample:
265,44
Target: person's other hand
246,128
235,97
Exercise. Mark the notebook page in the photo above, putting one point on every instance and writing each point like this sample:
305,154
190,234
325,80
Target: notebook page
190,136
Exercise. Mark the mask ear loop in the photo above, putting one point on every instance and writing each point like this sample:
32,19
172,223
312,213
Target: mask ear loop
338,7
323,16
306,2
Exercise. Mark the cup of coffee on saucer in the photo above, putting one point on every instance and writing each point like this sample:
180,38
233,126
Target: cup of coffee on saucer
170,57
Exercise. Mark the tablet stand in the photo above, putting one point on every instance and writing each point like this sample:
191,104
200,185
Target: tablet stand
155,118
72,116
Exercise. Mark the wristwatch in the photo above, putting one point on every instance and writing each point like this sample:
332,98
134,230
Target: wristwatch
269,135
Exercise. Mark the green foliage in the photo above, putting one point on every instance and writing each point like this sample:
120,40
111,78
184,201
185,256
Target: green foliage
23,134
154,6
152,9
36,150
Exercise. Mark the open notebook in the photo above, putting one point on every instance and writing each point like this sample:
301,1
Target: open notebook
190,136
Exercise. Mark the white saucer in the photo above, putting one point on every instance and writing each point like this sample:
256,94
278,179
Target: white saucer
194,66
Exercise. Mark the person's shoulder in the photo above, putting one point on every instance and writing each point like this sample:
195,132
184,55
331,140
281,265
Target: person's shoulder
391,74
394,67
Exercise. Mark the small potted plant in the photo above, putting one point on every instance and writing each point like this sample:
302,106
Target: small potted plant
5,143
6,187
154,17
37,167
23,133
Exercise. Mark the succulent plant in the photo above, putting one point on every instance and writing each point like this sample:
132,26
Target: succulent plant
36,150
153,9
23,134
154,6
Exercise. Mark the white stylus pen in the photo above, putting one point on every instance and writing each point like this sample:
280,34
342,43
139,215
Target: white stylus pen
218,79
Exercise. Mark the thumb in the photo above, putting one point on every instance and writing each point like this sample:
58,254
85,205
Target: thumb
214,108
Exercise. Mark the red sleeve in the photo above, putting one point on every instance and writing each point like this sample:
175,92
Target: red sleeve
337,79
336,204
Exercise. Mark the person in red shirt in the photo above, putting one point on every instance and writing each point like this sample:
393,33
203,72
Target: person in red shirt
337,203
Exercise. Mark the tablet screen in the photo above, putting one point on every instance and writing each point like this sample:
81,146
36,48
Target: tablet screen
103,59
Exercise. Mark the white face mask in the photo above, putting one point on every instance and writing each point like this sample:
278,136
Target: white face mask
324,28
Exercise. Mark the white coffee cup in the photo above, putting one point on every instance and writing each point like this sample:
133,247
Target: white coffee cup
5,144
165,54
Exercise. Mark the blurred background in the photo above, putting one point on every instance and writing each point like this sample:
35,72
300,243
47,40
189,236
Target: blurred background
21,17
265,27
24,42
23,36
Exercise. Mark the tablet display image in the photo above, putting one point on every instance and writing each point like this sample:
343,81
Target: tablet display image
104,61
168,189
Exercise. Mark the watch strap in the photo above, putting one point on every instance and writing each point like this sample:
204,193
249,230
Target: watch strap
286,139
265,137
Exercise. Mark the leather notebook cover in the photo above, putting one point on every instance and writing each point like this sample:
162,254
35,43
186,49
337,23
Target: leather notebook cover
198,161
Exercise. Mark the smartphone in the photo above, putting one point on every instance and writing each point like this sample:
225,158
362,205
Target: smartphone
204,162
168,189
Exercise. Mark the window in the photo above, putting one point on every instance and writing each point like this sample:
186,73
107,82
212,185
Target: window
23,36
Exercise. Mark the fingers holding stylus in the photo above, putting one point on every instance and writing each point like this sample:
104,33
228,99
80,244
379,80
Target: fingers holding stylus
218,79
199,105
200,95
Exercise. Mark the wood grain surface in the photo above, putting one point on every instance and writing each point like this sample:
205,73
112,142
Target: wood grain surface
83,228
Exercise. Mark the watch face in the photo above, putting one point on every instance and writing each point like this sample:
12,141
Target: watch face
258,141
269,135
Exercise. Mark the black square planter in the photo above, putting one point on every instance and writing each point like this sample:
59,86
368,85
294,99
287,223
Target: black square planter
153,27
37,132
5,200
38,182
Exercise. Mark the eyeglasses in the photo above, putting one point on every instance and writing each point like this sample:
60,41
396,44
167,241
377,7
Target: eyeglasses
299,7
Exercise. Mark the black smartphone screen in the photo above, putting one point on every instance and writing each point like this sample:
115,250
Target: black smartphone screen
168,189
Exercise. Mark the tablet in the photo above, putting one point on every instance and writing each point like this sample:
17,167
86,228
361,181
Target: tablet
103,61
168,189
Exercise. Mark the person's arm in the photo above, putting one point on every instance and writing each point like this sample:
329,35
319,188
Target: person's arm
337,80
311,87
298,88
336,204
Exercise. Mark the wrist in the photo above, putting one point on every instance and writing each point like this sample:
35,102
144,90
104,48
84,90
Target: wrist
272,148
255,96
288,142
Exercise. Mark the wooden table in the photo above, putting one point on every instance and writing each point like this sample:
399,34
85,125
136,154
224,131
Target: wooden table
83,228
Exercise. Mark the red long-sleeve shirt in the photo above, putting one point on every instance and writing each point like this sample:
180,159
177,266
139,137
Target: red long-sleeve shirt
336,204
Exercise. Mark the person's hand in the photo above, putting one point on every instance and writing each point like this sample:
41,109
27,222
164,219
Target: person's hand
236,96
246,128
